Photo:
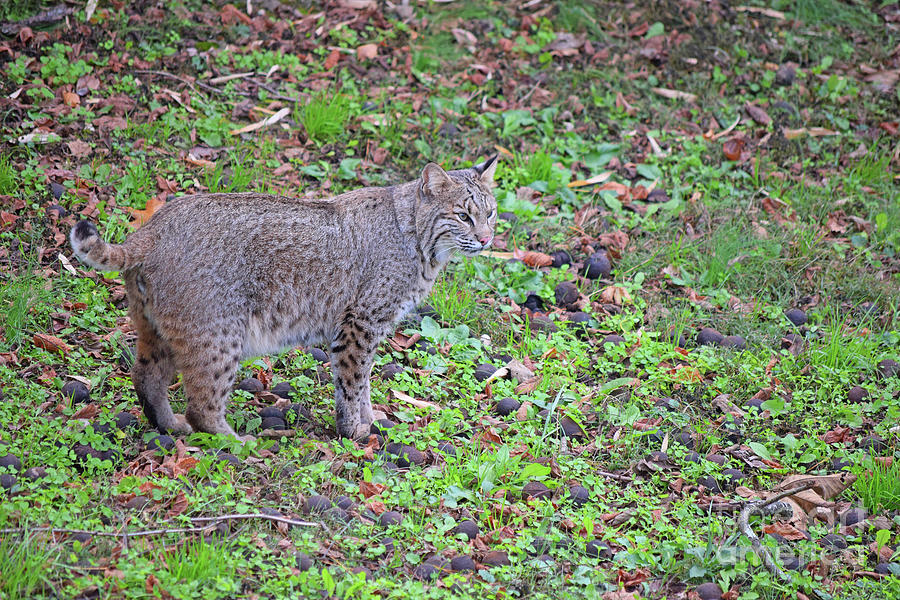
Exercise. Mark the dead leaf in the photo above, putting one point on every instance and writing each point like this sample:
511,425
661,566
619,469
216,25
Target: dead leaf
367,51
733,148
89,411
758,114
79,149
599,178
178,506
332,59
417,403
141,216
368,489
71,99
50,343
613,294
784,529
675,94
533,259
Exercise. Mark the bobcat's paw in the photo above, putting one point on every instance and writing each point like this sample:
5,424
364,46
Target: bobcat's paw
181,425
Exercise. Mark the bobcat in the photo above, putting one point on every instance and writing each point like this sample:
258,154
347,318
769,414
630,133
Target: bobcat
214,278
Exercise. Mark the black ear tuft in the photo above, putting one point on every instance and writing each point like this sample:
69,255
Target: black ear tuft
482,167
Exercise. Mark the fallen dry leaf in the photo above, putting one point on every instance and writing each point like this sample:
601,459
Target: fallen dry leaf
533,259
141,216
50,343
367,51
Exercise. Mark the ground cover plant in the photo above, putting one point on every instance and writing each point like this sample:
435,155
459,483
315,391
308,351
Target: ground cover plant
691,307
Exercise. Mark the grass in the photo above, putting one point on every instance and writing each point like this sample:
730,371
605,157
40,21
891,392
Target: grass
878,486
24,567
324,116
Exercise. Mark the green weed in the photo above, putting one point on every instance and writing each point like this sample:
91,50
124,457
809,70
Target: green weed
878,486
324,116
24,567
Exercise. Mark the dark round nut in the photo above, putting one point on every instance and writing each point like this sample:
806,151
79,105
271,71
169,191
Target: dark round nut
795,316
275,423
430,569
756,404
161,442
840,464
113,455
250,384
12,461
570,427
126,421
710,483
872,443
734,341
271,412
579,317
785,75
538,546
675,337
283,389
382,426
467,528
709,591
692,457
76,391
445,448
390,517
579,495
463,562
793,342
852,516
59,210
857,394
225,457
657,195
405,456
658,457
296,413
888,368
35,473
790,562
304,562
508,216
7,481
535,490
597,549
101,428
484,371
388,543
318,504
597,266
137,503
884,568
733,477
709,337
344,502
612,339
336,513
685,439
540,323
319,355
717,458
833,542
496,558
391,370
566,294
533,302
560,258
507,406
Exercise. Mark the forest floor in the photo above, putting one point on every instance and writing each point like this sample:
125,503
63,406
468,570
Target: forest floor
692,303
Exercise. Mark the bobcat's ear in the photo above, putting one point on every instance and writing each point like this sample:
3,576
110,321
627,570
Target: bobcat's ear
486,170
435,180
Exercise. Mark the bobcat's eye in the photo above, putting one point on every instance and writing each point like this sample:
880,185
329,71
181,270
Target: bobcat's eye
491,216
463,217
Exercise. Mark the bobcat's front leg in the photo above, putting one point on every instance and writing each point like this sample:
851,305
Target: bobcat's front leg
352,354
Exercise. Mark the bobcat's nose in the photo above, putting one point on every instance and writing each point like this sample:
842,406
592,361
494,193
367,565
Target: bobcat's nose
486,240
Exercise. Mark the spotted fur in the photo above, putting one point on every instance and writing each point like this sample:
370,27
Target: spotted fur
214,278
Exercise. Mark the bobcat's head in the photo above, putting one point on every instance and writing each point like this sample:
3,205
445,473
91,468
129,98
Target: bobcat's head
466,209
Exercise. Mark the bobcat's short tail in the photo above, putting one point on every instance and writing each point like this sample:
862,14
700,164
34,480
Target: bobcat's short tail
90,249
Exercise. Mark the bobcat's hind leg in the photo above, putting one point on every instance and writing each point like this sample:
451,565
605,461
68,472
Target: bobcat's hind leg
153,370
207,385
352,354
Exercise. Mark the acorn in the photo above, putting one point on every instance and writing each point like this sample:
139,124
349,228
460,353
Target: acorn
535,490
275,423
390,370
250,384
566,294
612,339
506,406
283,389
597,549
463,563
162,442
126,421
496,558
271,412
579,495
467,528
833,542
888,368
708,591
533,302
390,517
734,341
709,337
796,316
76,391
405,455
484,371
318,504
597,266
560,258
225,457
319,355
304,562
11,460
857,394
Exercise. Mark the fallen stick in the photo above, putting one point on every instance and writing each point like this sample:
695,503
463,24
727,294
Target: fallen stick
769,507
